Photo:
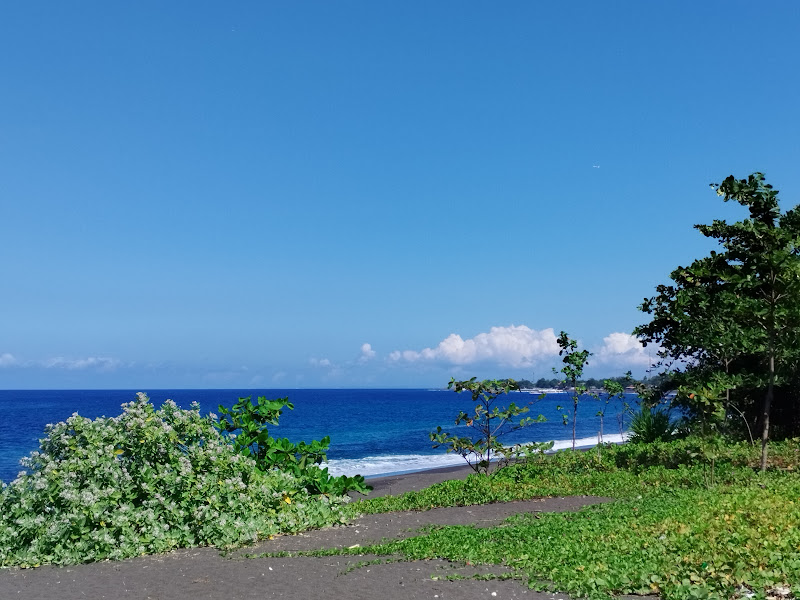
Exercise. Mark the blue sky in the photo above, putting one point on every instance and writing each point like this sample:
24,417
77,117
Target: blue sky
366,194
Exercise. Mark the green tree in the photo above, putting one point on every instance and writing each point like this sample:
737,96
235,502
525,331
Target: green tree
489,423
525,384
696,321
546,383
574,361
732,319
593,383
611,389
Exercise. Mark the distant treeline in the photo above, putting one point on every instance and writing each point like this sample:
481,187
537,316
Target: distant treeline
554,383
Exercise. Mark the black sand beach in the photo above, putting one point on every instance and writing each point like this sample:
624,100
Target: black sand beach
203,574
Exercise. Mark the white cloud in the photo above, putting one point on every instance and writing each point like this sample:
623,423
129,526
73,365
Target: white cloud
7,360
623,349
367,353
100,363
514,346
320,362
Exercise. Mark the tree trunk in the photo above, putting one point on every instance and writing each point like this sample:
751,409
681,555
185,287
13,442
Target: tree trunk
574,416
765,412
772,333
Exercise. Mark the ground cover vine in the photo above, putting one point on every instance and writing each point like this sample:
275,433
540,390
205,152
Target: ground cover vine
670,532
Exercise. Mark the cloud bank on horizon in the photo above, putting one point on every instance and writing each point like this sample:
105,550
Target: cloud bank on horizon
99,363
519,346
514,346
502,348
7,360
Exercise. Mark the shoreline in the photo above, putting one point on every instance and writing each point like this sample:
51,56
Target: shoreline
380,466
392,484
400,483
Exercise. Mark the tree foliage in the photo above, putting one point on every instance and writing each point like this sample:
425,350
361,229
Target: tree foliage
728,323
248,422
488,423
612,388
574,360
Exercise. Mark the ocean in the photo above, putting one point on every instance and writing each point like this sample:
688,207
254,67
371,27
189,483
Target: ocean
373,432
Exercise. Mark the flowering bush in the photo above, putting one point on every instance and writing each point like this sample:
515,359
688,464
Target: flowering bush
146,481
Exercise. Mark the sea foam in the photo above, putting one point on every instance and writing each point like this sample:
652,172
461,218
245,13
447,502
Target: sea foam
395,464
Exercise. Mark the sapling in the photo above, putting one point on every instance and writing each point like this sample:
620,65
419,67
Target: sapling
489,423
574,361
611,389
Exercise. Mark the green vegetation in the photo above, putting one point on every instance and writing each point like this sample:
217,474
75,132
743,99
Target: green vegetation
651,424
671,531
574,362
144,482
728,323
611,389
247,424
590,383
490,423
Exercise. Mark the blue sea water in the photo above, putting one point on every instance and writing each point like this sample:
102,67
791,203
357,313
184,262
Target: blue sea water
373,432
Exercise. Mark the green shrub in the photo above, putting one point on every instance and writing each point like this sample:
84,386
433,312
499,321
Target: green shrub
785,454
651,425
658,453
247,424
694,449
146,481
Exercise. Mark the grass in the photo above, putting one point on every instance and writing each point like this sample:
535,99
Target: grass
670,532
